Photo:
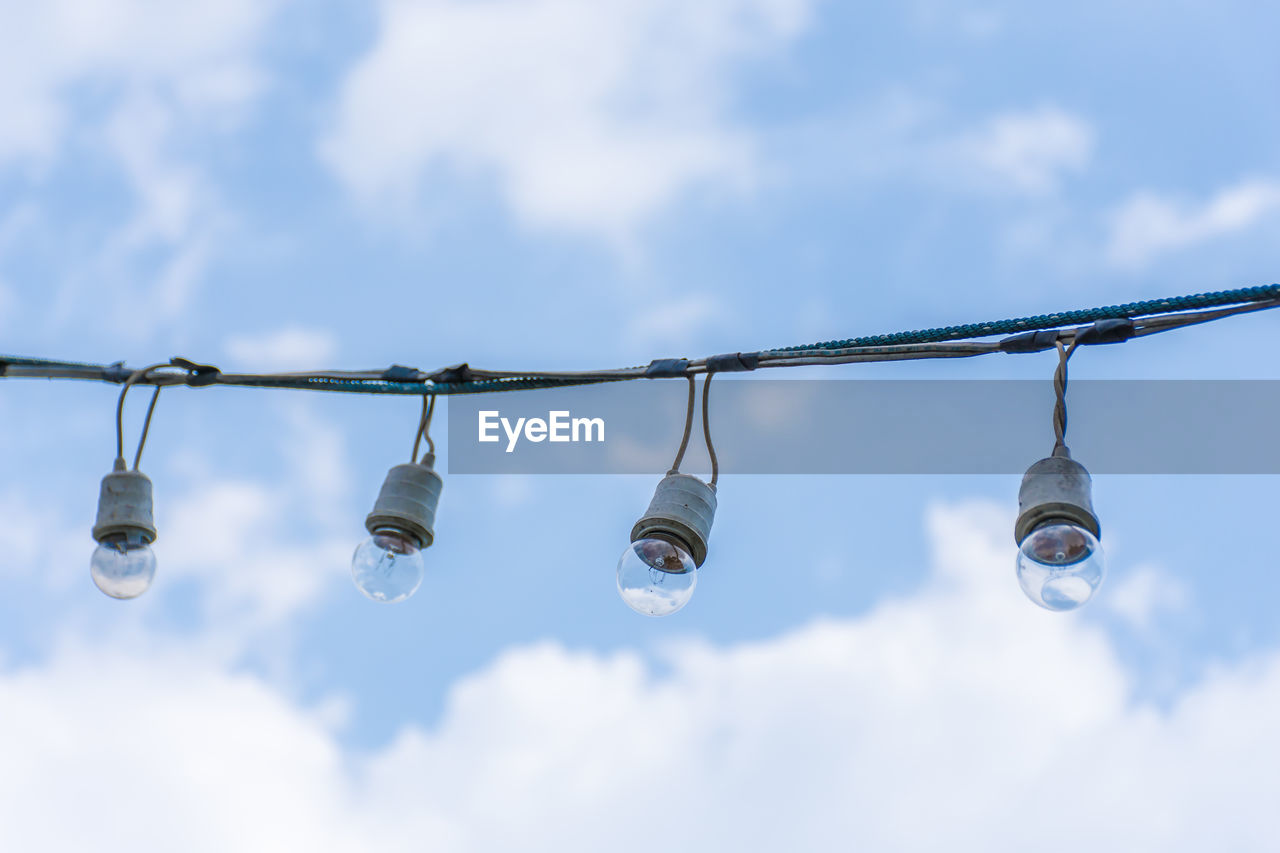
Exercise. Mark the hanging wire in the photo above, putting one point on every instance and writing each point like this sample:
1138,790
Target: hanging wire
424,428
1060,390
146,427
688,428
706,430
133,379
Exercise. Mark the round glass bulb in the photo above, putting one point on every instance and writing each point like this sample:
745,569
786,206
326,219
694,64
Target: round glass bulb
388,565
1060,566
123,565
656,577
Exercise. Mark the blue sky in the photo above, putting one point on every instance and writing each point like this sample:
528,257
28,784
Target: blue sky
575,184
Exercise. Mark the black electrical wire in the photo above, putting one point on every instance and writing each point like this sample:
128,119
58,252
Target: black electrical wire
1111,324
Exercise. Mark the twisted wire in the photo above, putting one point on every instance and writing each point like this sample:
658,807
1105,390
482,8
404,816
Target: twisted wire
1060,391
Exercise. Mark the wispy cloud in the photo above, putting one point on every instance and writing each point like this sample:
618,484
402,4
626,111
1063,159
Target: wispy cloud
290,348
200,54
1149,225
587,116
673,323
1146,594
903,138
223,532
159,74
1027,152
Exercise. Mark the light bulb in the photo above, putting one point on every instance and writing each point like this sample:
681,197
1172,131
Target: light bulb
388,566
1060,563
123,565
1060,566
656,577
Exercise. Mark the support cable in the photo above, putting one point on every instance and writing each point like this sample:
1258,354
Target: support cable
1111,324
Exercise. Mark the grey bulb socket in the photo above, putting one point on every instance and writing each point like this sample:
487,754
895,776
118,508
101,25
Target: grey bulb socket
125,505
1056,490
682,508
408,501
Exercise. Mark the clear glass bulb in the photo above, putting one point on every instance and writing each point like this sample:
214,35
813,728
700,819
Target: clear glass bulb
123,565
388,565
656,577
1060,566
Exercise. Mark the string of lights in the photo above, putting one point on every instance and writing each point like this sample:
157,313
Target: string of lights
1060,563
1025,334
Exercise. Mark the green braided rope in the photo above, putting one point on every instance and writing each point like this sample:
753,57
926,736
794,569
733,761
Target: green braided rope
1050,321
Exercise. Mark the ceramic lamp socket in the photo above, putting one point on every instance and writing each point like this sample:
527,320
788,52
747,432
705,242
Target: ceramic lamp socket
683,508
408,501
1055,490
125,506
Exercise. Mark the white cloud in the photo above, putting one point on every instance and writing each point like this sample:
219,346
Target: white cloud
902,137
1026,152
957,718
225,532
589,116
674,322
199,53
1149,225
1144,594
106,753
158,75
291,348
226,535
177,211
34,538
